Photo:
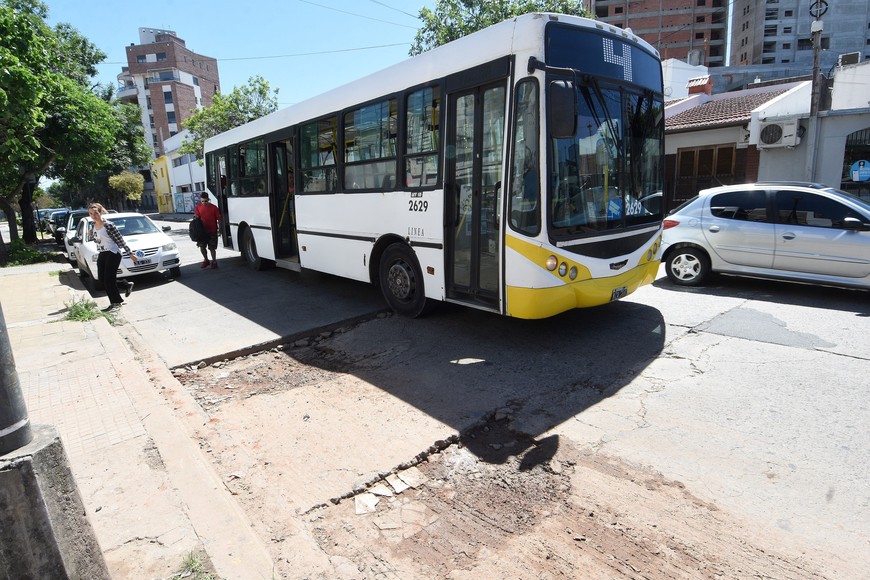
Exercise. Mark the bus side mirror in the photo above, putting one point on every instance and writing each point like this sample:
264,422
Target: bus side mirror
562,109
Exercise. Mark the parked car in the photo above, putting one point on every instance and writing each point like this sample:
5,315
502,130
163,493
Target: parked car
40,217
795,231
57,222
156,251
72,222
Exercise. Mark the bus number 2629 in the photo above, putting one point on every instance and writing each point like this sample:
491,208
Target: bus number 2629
418,205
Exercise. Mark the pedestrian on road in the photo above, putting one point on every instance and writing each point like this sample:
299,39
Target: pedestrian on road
209,214
110,242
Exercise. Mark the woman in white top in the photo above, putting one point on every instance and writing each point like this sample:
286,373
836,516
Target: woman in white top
110,242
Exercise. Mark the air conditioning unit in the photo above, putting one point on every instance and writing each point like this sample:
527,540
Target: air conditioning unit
779,134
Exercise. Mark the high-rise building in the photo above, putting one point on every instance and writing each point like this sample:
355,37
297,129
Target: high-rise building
168,82
694,31
780,32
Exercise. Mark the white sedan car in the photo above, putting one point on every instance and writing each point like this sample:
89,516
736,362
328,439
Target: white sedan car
156,251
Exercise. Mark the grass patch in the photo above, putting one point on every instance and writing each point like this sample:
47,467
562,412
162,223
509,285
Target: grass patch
21,254
194,568
84,309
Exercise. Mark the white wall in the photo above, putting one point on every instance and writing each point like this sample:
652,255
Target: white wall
852,87
676,74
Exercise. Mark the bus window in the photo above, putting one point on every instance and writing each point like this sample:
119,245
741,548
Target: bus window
319,144
421,151
525,198
252,167
370,146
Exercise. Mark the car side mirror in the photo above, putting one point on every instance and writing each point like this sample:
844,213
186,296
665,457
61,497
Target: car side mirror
852,223
75,240
167,228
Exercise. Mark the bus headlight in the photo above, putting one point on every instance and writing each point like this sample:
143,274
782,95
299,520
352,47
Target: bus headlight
563,269
551,263
573,272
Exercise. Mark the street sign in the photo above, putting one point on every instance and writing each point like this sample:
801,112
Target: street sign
860,170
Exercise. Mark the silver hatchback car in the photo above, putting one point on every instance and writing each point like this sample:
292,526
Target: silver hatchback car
802,232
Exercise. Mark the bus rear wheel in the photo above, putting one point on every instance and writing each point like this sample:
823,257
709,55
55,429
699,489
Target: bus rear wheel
401,281
249,251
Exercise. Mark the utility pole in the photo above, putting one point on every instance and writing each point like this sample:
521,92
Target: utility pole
817,9
14,424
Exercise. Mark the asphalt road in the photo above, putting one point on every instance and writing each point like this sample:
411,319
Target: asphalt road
753,394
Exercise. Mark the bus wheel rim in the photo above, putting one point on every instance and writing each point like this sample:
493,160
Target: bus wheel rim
400,280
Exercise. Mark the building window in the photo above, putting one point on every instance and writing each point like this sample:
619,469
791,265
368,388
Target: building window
617,9
170,117
788,14
699,36
700,19
196,81
167,97
702,2
140,58
148,102
704,167
786,45
161,56
786,29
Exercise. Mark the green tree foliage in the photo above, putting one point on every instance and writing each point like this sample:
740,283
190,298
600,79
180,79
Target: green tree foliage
454,19
128,184
52,123
243,104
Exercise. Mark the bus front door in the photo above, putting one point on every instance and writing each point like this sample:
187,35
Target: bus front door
283,211
472,188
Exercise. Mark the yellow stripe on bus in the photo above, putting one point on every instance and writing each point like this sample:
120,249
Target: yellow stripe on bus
582,292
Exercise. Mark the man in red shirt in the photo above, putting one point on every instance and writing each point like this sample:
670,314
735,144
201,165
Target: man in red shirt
210,216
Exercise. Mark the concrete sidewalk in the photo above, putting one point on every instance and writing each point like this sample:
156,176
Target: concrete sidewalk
150,495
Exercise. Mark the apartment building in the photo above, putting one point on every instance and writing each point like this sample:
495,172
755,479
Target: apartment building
168,82
780,32
694,31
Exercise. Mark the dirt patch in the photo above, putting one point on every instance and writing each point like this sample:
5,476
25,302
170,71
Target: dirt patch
486,503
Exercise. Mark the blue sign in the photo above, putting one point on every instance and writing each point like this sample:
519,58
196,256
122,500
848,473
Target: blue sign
860,170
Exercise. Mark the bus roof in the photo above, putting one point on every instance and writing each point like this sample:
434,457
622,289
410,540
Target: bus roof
519,34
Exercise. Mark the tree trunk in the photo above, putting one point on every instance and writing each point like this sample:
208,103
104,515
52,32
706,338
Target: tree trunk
25,202
6,208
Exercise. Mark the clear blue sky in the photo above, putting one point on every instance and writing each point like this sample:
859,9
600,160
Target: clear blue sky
293,44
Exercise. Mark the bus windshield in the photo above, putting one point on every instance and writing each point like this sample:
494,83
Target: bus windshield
608,176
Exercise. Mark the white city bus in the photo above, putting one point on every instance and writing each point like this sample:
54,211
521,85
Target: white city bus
516,170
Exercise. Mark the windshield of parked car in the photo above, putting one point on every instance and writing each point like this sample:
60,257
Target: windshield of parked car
134,225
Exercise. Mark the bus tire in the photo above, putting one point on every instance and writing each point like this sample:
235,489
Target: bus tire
401,281
249,250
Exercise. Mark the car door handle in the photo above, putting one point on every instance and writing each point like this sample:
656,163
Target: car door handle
788,236
714,228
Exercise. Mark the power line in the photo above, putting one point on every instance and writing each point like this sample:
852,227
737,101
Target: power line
396,9
357,15
294,54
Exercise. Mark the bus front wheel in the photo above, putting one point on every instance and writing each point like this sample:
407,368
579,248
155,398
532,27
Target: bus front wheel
402,281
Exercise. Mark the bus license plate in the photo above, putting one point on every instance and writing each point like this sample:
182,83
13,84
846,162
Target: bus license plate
618,293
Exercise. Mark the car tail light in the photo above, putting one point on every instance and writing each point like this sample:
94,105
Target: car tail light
668,224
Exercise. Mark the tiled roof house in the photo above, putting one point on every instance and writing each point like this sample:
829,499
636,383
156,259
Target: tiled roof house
707,138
